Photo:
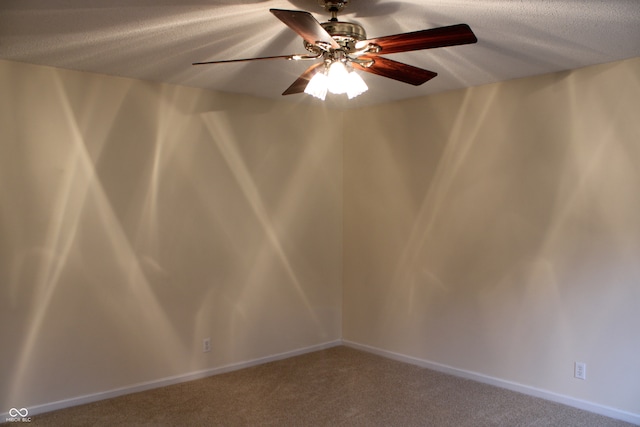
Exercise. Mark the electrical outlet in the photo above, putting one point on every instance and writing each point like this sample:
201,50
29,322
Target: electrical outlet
206,345
580,371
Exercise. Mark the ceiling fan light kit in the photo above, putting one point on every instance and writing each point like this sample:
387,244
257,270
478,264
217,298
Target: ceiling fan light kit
336,78
343,48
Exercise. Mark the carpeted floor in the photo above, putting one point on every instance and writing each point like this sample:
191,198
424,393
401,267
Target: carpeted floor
339,386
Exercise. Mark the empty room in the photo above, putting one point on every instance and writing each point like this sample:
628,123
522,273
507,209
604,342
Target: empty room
316,212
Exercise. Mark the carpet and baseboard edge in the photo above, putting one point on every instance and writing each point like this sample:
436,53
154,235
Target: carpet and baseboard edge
509,385
162,382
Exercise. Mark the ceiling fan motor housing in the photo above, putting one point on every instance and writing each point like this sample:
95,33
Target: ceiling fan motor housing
347,34
345,30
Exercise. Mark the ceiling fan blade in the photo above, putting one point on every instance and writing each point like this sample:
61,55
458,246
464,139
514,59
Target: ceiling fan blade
288,57
306,26
395,70
425,39
301,83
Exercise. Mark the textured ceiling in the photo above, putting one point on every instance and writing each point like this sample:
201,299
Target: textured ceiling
157,40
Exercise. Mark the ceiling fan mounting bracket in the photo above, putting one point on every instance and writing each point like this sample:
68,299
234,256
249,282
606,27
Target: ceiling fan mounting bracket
333,5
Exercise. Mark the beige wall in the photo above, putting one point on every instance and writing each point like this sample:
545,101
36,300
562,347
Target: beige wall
493,230
497,230
137,219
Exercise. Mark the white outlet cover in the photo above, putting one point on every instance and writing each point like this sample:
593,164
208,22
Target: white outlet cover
580,371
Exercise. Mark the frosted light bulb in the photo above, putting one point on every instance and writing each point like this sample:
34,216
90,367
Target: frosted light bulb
355,85
338,78
317,86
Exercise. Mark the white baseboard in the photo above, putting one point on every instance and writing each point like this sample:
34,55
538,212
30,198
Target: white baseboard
531,391
134,388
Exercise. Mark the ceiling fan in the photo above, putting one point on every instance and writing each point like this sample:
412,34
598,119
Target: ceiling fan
343,46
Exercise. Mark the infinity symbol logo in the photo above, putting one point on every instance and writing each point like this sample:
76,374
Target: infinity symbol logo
22,412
